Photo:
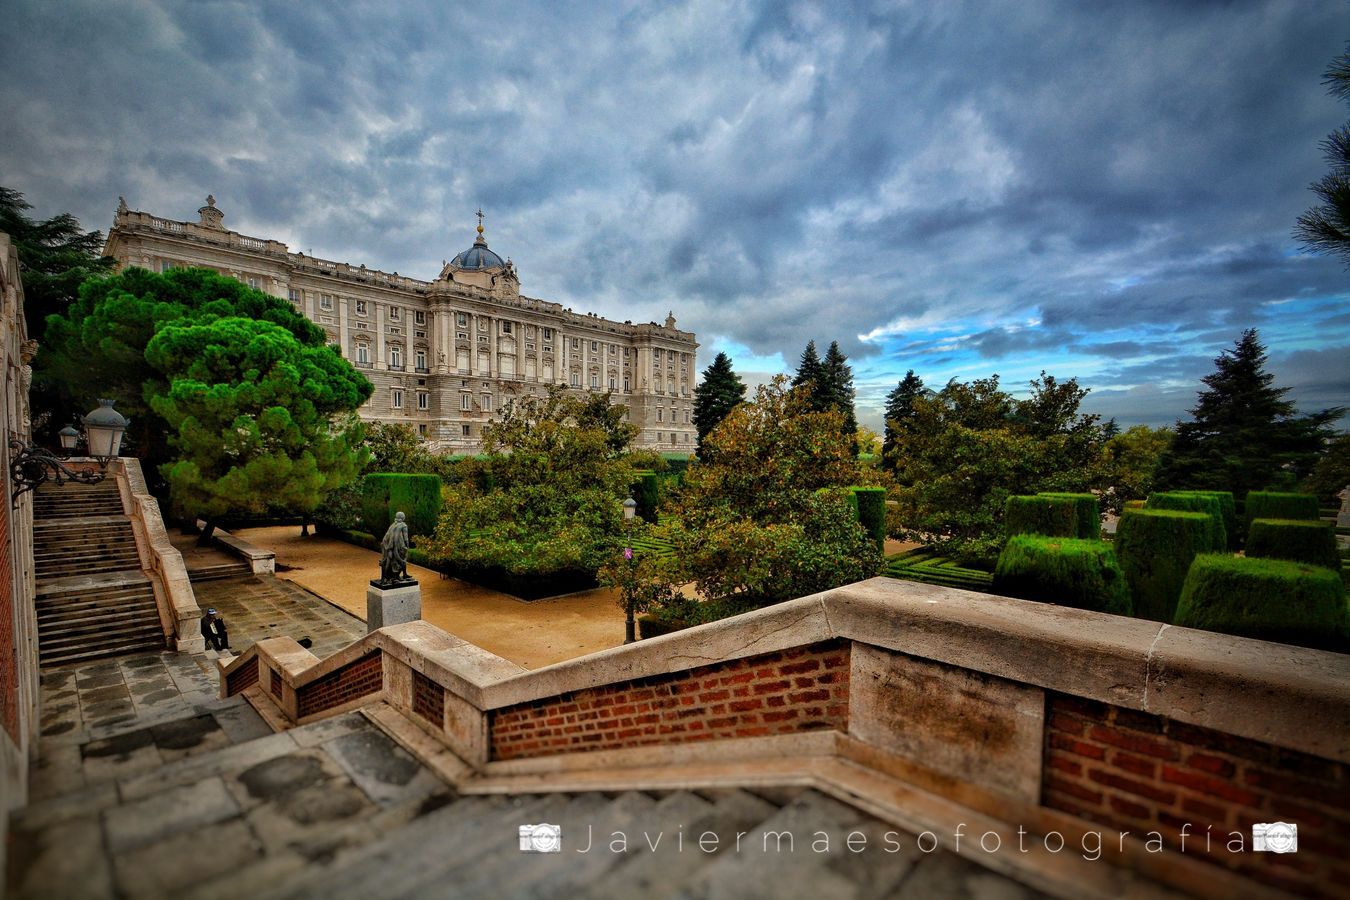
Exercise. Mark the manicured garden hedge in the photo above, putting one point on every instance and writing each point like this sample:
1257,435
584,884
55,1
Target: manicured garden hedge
1194,501
1073,572
870,505
1156,548
1268,599
1276,505
1299,540
418,497
1089,512
1041,514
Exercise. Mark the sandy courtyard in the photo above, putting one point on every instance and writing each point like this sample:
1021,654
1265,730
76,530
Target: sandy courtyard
532,634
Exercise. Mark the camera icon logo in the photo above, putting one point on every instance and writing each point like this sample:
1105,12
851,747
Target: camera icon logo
1275,837
541,838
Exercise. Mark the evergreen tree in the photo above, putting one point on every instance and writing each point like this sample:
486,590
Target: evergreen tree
837,390
716,396
1326,228
55,257
1243,431
810,375
899,409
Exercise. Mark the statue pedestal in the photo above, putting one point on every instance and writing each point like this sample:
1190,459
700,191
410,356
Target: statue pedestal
392,605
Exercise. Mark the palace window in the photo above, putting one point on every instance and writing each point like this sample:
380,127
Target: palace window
486,403
462,319
595,345
461,335
363,354
465,430
613,384
506,328
660,415
396,357
396,399
595,380
576,379
393,313
576,343
326,301
626,388
420,317
253,282
423,400
360,307
421,360
686,417
465,402
548,334
292,295
421,430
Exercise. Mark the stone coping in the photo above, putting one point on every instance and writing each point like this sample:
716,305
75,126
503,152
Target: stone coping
1290,696
260,561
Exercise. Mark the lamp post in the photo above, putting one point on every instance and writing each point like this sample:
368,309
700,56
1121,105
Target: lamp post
629,513
103,429
70,439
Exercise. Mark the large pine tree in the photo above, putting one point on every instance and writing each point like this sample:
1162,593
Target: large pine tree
899,408
838,390
1325,228
1243,431
810,373
717,395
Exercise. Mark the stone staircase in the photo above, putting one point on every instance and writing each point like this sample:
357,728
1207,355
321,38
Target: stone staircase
337,809
93,600
220,572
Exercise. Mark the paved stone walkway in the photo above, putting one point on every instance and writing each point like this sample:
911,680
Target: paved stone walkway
258,607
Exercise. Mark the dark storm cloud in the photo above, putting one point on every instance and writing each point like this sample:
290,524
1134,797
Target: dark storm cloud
774,172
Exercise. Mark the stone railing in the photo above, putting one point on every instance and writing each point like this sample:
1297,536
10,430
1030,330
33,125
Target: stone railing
160,560
1018,715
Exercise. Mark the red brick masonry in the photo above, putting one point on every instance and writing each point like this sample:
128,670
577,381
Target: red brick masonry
1137,772
428,699
357,679
803,689
244,676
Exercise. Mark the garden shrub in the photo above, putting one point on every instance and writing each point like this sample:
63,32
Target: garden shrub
1155,548
418,497
1041,514
1267,599
647,492
1073,572
1228,511
1279,505
1194,501
1299,540
1134,504
870,505
1089,512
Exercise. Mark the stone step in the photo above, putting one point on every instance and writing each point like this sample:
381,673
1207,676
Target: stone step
119,519
219,572
90,567
84,545
77,510
95,618
82,584
66,637
123,646
112,602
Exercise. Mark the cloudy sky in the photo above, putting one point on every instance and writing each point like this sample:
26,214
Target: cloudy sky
1103,190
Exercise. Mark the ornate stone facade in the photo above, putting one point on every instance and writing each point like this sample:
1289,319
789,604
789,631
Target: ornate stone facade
444,355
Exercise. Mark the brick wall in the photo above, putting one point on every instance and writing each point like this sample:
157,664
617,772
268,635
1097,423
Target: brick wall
802,689
428,699
1136,772
357,679
244,676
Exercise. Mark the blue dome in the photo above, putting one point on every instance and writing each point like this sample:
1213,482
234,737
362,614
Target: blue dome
478,257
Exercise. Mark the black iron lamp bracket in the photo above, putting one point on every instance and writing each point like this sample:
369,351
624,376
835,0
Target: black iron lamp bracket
31,466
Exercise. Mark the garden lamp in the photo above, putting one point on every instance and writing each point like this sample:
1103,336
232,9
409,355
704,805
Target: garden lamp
103,430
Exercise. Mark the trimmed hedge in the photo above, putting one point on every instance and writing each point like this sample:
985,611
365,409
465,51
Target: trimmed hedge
1135,504
1277,505
1298,540
1089,512
1073,572
870,505
1267,599
646,489
1194,501
418,497
1228,510
1156,548
1041,514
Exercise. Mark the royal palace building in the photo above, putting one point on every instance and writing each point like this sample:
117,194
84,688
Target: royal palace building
444,355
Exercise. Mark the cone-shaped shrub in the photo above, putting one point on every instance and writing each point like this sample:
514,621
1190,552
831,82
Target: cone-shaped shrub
418,497
1089,513
870,505
1299,540
1268,599
1155,548
1066,571
1194,501
647,492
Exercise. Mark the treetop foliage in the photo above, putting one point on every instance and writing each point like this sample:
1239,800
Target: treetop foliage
1325,228
716,395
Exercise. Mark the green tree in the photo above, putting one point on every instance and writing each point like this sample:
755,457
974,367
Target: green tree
55,258
810,372
250,413
1243,432
837,390
1331,473
899,410
967,448
1129,463
548,496
1325,228
716,395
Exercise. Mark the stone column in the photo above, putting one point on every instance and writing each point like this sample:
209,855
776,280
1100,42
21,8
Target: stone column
344,339
445,348
381,363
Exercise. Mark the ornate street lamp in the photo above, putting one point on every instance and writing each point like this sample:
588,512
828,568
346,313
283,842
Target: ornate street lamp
103,430
70,439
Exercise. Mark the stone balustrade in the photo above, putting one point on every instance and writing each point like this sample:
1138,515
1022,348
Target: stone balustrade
1056,720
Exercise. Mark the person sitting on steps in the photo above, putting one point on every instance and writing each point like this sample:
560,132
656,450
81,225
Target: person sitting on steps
213,629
